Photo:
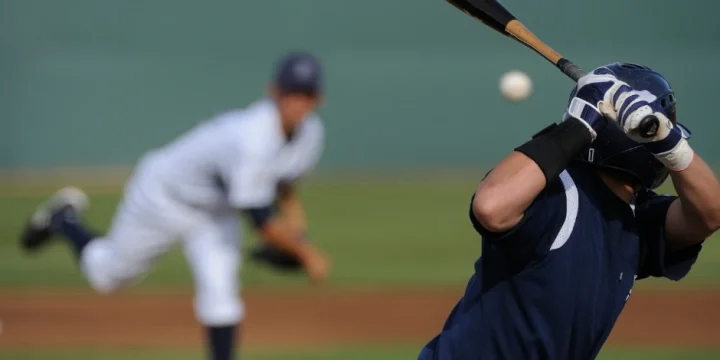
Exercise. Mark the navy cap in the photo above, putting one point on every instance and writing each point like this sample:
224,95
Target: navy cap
299,72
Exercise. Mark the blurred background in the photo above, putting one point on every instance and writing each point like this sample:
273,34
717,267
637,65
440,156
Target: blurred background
414,118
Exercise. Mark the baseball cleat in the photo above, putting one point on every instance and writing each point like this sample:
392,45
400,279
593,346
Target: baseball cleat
38,230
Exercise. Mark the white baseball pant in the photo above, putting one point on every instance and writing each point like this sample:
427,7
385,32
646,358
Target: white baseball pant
147,223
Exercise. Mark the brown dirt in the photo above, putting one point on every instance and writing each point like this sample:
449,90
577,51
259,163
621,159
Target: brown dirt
293,318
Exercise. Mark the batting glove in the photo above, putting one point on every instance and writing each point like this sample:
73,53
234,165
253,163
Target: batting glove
629,107
591,91
673,150
601,95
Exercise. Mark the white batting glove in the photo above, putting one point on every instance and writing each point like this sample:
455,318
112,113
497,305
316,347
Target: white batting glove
600,95
592,91
629,107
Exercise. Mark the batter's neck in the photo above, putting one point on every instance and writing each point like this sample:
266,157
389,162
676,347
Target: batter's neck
622,189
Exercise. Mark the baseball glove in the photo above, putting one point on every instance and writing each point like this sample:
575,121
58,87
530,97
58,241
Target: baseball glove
275,258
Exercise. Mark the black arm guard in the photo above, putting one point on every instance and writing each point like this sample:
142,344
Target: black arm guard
556,145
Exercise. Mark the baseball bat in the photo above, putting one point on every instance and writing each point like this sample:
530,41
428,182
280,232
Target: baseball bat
498,18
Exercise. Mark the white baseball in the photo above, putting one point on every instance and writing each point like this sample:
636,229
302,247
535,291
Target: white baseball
515,86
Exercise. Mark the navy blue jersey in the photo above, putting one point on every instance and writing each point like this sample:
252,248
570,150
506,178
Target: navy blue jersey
553,286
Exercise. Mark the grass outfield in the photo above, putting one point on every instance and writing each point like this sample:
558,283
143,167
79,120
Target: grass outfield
361,354
378,232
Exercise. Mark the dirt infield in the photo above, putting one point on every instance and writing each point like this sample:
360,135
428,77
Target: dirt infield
307,319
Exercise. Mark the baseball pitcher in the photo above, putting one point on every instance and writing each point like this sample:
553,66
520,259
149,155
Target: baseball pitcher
190,192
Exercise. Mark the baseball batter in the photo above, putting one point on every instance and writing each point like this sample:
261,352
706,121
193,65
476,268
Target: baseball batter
190,192
569,222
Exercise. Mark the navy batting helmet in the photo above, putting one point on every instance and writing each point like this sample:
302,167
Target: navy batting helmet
613,150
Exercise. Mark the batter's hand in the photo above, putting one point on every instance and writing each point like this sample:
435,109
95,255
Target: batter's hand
600,96
628,108
668,145
591,91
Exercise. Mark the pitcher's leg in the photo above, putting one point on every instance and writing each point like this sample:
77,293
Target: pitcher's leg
108,262
212,252
57,215
127,252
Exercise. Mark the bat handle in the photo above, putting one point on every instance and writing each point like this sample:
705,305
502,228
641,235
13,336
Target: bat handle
648,127
570,69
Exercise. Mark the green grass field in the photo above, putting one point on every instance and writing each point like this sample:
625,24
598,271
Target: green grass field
389,232
414,232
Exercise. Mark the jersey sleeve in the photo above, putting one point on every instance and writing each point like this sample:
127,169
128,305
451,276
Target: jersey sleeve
655,259
539,227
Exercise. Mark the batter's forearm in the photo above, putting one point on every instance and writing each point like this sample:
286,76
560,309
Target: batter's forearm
699,193
502,198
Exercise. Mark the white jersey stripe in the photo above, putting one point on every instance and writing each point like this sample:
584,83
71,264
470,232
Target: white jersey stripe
571,211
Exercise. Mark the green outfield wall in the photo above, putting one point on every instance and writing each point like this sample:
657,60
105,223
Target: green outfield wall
410,82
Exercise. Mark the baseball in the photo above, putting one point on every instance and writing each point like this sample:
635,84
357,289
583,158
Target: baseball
515,86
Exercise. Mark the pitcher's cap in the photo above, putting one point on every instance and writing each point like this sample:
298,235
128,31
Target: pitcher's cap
299,72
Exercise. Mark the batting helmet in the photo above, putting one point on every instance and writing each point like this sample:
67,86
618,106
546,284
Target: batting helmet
613,150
